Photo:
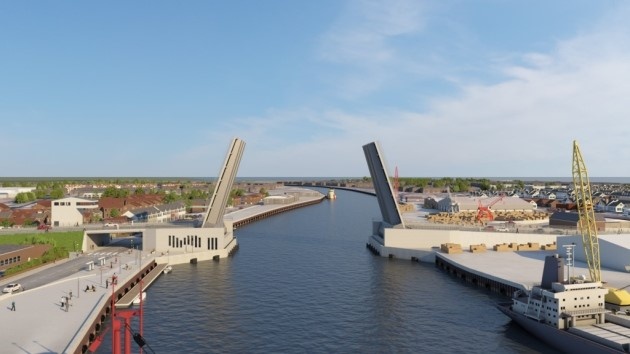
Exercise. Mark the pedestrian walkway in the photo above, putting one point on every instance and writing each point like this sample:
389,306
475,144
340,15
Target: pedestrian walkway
40,324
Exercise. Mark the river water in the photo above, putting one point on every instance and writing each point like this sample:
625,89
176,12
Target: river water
304,282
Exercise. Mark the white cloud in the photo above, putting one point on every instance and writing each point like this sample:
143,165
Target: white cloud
361,40
523,125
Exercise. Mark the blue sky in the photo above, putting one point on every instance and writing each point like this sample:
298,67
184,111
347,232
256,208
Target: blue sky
449,88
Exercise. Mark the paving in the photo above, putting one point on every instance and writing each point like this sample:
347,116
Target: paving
524,269
39,324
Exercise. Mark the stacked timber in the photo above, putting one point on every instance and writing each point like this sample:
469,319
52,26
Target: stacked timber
451,248
478,248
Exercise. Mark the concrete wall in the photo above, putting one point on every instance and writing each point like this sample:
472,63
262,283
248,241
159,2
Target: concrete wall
184,241
427,239
613,250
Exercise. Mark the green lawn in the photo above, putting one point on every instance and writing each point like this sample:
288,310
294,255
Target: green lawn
62,242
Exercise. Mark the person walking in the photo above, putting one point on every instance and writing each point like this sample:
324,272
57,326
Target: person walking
12,305
106,283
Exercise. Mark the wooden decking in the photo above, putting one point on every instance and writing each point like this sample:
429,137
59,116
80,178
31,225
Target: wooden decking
127,299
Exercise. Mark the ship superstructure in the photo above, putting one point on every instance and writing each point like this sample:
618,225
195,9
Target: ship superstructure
563,305
569,314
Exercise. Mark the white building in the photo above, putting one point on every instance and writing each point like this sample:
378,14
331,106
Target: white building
67,211
12,192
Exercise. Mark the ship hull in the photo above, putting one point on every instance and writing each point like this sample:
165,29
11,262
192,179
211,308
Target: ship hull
560,339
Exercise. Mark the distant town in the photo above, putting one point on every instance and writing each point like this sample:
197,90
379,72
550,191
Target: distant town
39,203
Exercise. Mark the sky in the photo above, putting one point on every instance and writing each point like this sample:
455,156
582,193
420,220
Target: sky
451,88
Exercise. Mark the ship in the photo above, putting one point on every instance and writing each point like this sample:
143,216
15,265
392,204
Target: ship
569,315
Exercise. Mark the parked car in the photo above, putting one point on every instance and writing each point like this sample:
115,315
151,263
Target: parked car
110,224
43,227
12,288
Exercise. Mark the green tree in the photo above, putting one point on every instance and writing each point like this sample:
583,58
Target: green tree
40,193
114,213
485,185
237,192
29,222
462,185
169,198
110,191
139,191
57,193
21,197
438,183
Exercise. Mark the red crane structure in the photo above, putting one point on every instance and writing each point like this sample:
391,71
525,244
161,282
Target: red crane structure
484,212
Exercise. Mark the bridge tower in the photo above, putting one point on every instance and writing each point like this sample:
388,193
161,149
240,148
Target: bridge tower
216,208
384,191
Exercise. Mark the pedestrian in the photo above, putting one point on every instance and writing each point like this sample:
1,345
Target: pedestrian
71,294
106,283
12,305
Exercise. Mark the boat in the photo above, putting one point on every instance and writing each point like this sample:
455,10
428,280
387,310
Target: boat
569,315
136,300
167,269
331,194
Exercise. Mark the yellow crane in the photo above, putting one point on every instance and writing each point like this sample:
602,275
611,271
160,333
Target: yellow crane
616,298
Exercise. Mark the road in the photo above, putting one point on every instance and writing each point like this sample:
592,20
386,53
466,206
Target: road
77,261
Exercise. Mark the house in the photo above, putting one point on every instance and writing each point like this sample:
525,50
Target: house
107,205
68,211
157,213
615,206
13,255
571,219
198,205
42,204
24,217
248,199
88,192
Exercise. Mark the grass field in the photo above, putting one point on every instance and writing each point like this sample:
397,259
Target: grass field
62,242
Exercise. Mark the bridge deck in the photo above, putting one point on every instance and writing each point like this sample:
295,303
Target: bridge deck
127,299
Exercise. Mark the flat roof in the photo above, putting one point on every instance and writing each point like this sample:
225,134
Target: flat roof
12,248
